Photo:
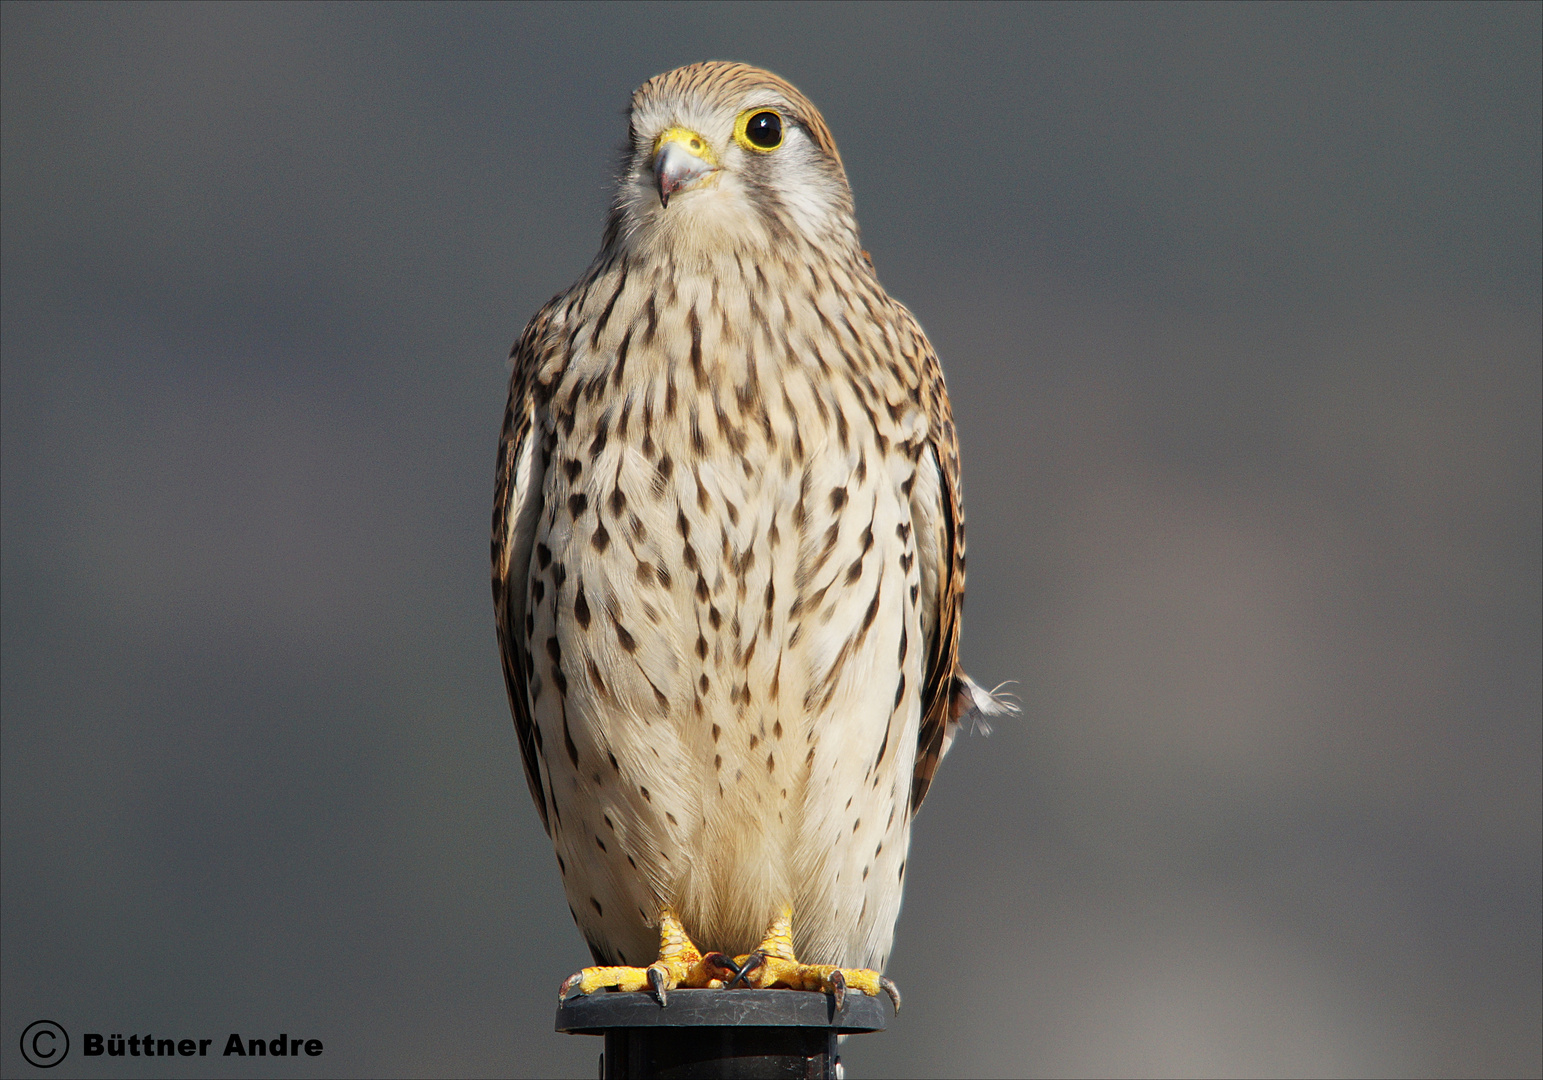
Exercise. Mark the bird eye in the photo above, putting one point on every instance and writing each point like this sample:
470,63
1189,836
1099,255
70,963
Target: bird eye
764,129
759,129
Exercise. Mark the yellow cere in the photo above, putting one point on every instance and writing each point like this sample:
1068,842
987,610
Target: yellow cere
742,121
690,141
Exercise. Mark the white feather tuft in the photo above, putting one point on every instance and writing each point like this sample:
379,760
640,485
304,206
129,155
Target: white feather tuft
985,703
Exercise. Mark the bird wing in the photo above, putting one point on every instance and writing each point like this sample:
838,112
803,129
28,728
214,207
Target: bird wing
949,696
517,504
937,513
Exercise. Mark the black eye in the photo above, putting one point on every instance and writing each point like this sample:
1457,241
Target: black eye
764,129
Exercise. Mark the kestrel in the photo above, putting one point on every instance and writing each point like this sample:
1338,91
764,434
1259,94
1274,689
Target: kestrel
728,560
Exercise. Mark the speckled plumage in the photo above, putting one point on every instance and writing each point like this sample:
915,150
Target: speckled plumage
728,551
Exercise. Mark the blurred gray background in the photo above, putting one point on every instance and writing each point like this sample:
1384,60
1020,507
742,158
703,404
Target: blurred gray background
1240,308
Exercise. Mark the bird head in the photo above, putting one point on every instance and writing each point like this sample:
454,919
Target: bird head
723,156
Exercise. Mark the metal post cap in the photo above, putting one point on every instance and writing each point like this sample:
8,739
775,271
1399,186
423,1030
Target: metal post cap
594,1014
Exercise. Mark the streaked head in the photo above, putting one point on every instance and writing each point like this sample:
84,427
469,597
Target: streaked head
723,154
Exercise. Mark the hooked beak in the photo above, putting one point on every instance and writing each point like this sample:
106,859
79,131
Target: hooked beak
681,158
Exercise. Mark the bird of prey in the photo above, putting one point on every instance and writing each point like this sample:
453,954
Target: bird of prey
728,560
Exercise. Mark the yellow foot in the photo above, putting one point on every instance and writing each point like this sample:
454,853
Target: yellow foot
773,964
680,963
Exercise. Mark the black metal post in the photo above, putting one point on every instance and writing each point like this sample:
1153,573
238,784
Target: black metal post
738,1034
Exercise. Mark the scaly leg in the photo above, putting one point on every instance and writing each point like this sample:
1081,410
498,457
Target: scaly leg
773,964
680,963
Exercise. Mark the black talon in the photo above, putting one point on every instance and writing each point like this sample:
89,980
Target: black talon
720,961
838,988
753,961
568,984
893,991
656,980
